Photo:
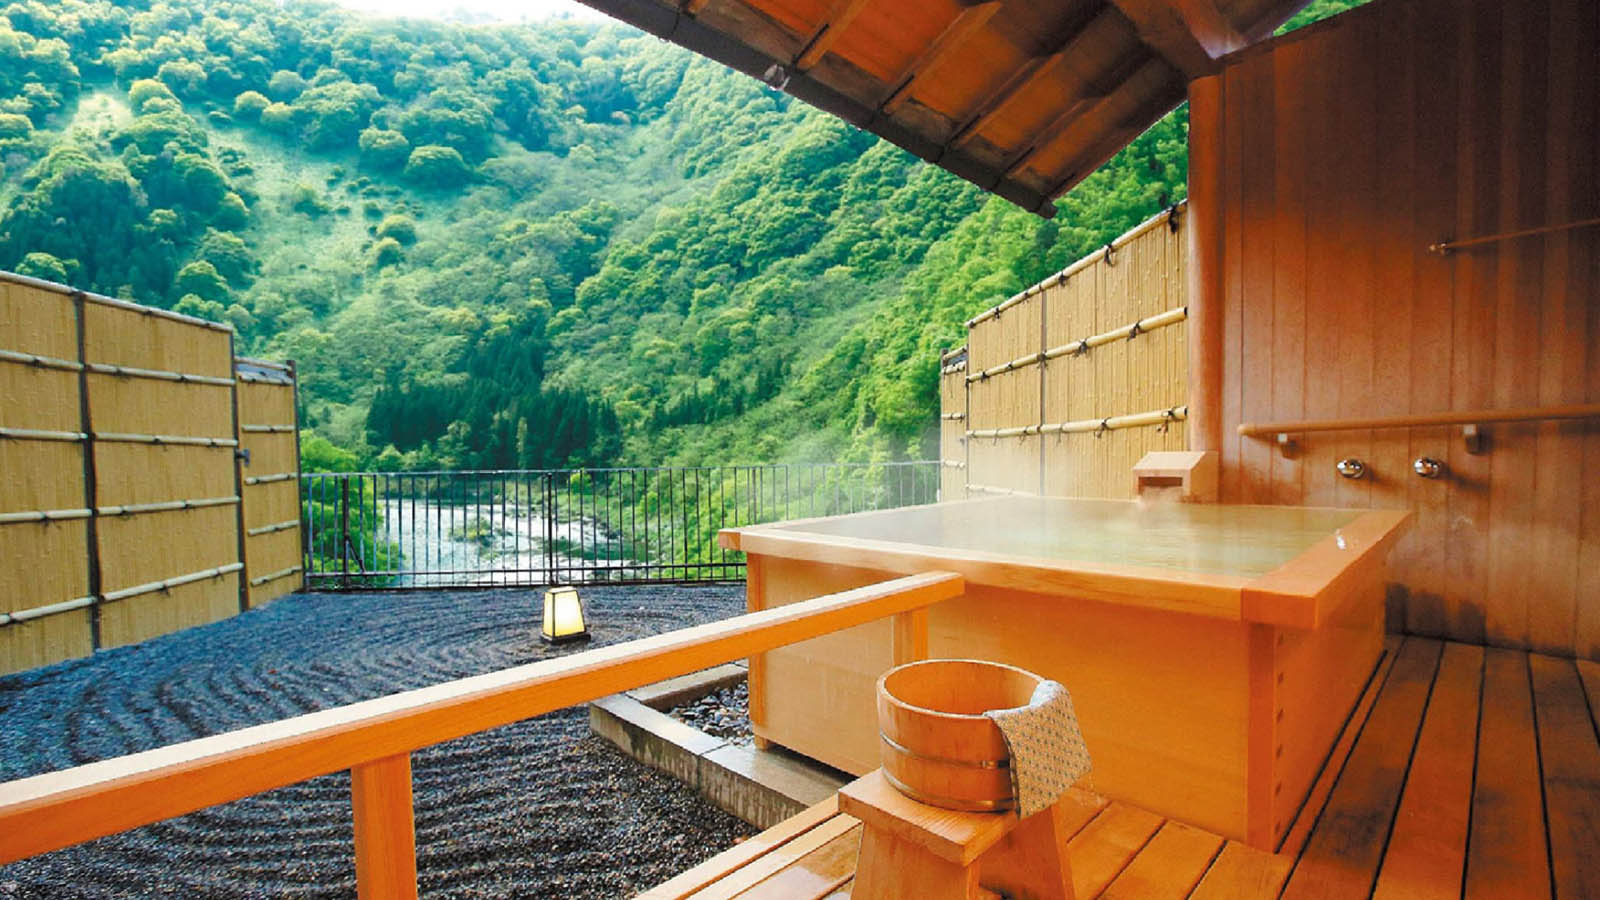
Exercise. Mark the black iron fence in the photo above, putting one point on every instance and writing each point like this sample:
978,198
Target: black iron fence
572,526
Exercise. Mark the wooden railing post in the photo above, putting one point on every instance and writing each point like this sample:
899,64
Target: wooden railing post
386,841
910,636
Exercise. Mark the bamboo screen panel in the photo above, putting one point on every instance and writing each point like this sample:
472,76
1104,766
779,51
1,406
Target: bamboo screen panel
953,425
160,442
44,556
1074,380
120,512
271,482
1004,399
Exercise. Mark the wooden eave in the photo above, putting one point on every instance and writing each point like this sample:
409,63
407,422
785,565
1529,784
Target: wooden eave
1023,98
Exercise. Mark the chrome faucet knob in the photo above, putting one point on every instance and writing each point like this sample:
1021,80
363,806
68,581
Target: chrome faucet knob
1428,467
1350,467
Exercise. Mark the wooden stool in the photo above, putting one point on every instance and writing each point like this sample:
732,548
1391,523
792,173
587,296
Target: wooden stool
910,849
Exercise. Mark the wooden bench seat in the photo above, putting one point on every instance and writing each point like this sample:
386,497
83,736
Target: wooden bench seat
1464,771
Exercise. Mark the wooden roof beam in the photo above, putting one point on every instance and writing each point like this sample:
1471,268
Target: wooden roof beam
1189,34
693,7
950,40
1029,75
1114,122
833,26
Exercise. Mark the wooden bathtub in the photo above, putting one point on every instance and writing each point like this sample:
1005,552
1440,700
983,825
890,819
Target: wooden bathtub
1213,652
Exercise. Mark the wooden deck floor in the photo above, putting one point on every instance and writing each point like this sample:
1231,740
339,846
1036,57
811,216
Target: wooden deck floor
1464,772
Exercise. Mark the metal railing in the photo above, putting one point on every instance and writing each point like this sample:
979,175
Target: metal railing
572,526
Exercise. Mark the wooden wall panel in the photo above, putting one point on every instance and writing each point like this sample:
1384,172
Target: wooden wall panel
1349,147
163,612
1004,400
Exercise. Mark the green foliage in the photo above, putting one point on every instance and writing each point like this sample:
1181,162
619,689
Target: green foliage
307,200
400,227
201,279
43,265
383,150
13,126
434,166
249,105
387,252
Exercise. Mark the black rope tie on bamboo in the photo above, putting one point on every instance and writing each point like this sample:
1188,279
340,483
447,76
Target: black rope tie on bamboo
1167,418
1135,331
1110,257
1082,349
1105,426
1172,218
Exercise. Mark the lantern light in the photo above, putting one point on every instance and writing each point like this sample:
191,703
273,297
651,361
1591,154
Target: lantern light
563,616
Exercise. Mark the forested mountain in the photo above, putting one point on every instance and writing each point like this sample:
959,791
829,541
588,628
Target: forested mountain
550,244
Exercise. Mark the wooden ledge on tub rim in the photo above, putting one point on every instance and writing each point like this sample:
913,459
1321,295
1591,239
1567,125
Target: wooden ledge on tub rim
374,738
1298,594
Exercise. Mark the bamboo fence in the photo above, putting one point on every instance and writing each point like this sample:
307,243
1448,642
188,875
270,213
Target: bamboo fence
1070,382
122,511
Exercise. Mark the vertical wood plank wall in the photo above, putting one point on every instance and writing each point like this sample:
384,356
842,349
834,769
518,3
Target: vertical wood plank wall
1347,149
1144,277
142,537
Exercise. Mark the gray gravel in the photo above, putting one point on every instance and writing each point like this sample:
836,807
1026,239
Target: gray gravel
535,809
723,713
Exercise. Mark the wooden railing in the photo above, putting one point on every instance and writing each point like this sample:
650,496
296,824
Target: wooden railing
374,739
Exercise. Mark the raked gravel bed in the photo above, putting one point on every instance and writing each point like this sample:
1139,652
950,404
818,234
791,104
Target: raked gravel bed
535,809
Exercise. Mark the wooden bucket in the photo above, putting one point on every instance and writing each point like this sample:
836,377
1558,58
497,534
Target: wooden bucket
937,745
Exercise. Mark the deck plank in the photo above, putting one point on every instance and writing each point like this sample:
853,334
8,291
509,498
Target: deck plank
1506,852
1103,848
1241,872
780,857
1570,764
1169,866
1428,848
1346,847
815,874
687,882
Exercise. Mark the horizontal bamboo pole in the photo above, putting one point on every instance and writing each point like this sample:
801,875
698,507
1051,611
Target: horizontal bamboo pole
269,479
1424,420
158,375
1166,217
1110,423
274,527
953,417
43,362
39,612
178,439
267,429
168,584
43,515
954,368
274,576
31,434
103,300
953,464
59,809
1084,345
133,509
